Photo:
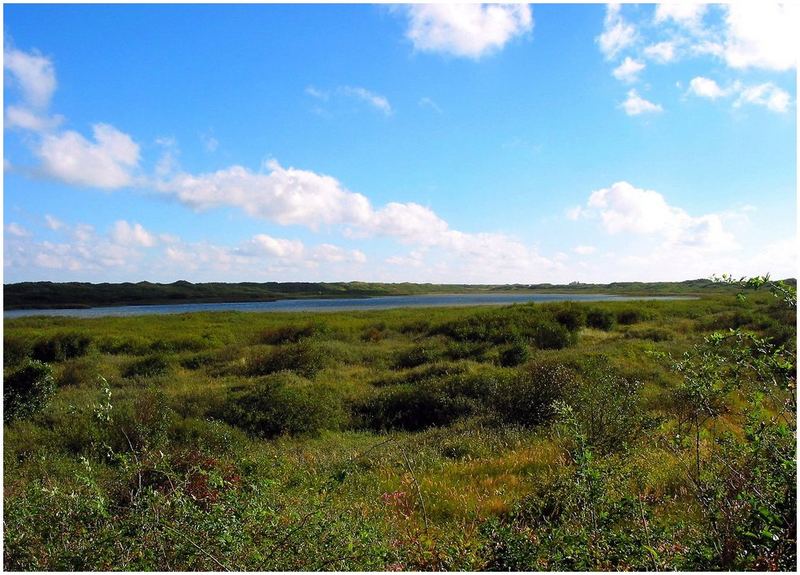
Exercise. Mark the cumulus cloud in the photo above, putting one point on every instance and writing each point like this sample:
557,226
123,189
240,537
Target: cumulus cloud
767,95
26,119
466,30
706,88
127,234
762,35
34,74
661,52
629,70
635,105
284,195
617,35
625,209
107,163
684,14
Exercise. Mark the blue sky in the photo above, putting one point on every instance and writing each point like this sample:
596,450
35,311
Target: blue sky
479,144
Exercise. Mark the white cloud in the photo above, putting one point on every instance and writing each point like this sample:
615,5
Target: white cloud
34,74
53,223
617,33
108,162
762,35
584,250
467,30
426,102
17,230
330,253
377,101
635,105
126,234
661,52
26,119
277,247
284,195
318,94
706,88
684,14
629,70
767,95
624,209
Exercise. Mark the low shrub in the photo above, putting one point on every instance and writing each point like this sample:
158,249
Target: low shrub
150,366
304,358
417,355
78,371
528,398
515,354
287,334
606,405
651,333
16,350
600,319
410,407
27,390
571,317
630,316
551,335
284,404
61,346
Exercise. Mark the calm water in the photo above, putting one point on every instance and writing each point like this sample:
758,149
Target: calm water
306,305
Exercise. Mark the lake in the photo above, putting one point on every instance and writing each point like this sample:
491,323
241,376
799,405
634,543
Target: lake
341,304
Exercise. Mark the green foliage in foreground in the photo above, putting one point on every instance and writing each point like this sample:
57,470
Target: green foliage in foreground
656,436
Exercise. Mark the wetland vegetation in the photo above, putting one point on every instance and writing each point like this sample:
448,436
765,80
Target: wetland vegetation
565,436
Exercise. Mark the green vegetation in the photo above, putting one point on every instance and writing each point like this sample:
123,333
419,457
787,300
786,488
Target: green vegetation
652,435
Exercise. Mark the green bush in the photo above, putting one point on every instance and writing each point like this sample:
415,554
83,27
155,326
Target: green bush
606,405
600,319
304,358
150,366
61,346
16,350
78,371
27,390
551,335
284,404
528,398
410,407
629,316
571,317
651,333
515,354
417,355
287,334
